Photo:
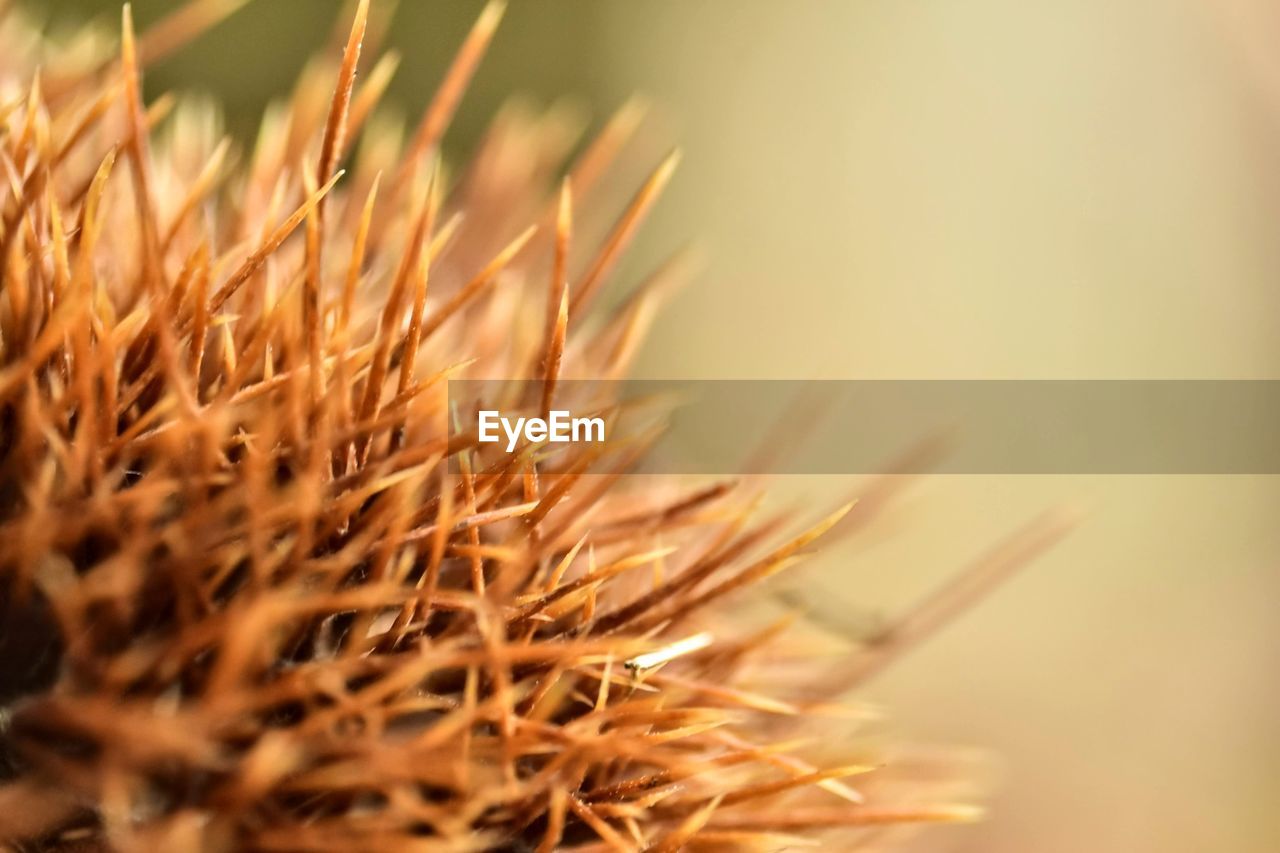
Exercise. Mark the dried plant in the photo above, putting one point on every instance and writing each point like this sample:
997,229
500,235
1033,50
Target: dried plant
248,605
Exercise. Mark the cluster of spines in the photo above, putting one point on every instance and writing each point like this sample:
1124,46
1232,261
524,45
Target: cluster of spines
282,622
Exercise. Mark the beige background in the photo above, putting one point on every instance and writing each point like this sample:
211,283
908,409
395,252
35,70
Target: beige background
995,188
966,188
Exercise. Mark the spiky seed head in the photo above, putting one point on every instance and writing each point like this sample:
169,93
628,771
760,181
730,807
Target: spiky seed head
248,602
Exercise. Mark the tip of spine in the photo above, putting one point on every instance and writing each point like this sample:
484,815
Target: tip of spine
126,27
491,16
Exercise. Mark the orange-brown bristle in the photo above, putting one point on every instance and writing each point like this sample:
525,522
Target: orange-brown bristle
271,601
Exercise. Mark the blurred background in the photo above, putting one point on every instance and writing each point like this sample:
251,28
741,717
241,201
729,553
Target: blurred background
946,189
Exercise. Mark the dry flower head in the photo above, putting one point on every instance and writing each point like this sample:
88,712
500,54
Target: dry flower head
247,604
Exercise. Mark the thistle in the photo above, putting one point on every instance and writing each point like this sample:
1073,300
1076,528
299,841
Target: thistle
257,595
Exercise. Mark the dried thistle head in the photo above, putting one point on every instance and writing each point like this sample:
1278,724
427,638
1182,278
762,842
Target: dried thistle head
247,602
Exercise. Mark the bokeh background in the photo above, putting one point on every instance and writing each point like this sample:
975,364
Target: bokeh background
957,189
